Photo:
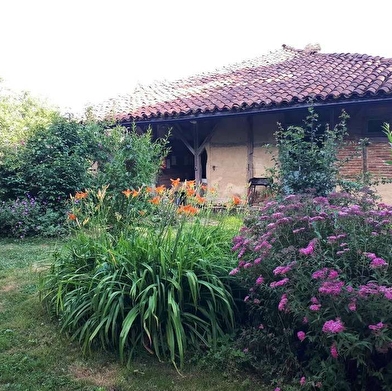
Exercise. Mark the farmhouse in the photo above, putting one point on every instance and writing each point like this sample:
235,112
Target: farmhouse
222,120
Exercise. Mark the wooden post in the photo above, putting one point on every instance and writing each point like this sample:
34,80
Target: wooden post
250,148
365,161
197,148
197,153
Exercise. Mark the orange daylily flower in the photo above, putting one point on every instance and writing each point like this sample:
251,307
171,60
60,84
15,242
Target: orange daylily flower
71,216
199,199
175,182
127,193
80,195
156,200
160,189
190,184
190,192
135,193
149,189
187,210
236,200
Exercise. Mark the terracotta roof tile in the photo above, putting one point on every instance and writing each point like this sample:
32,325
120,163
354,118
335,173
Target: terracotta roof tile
286,76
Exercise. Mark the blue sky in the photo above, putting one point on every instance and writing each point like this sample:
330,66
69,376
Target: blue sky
77,52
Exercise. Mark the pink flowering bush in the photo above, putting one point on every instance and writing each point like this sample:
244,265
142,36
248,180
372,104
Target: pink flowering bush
319,303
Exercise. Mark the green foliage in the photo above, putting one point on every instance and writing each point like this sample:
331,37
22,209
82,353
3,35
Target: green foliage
226,358
132,159
388,133
20,116
35,356
307,156
55,162
127,283
51,165
320,296
28,217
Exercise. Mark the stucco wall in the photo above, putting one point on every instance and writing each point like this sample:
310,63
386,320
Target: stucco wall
227,158
237,151
230,160
264,128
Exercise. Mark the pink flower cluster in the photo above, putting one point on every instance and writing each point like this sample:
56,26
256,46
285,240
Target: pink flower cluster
234,271
283,303
238,242
352,305
283,269
301,335
334,351
333,326
333,238
282,282
332,288
324,273
309,249
376,262
372,288
260,280
263,245
320,274
315,306
321,200
376,327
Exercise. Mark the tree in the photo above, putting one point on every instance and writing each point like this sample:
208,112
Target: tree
20,115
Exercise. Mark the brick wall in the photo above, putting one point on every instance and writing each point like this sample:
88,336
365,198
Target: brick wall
373,160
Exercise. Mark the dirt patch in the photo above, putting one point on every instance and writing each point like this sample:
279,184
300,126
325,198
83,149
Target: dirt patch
38,268
9,287
100,377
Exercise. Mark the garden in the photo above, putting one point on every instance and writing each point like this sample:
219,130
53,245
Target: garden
109,282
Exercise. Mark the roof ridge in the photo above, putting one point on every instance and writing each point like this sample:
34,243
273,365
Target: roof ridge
236,65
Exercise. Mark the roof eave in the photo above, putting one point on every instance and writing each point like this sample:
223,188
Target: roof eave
255,110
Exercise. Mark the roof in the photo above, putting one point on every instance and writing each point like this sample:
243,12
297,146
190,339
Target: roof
281,78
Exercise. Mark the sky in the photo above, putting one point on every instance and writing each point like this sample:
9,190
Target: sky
74,53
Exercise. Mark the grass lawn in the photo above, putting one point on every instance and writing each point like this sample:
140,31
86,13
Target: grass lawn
35,356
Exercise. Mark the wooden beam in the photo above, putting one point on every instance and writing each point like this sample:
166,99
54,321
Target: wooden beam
250,148
197,148
206,140
178,134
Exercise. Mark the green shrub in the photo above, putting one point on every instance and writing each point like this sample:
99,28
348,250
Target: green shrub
55,162
126,283
307,158
388,133
320,295
132,159
28,217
